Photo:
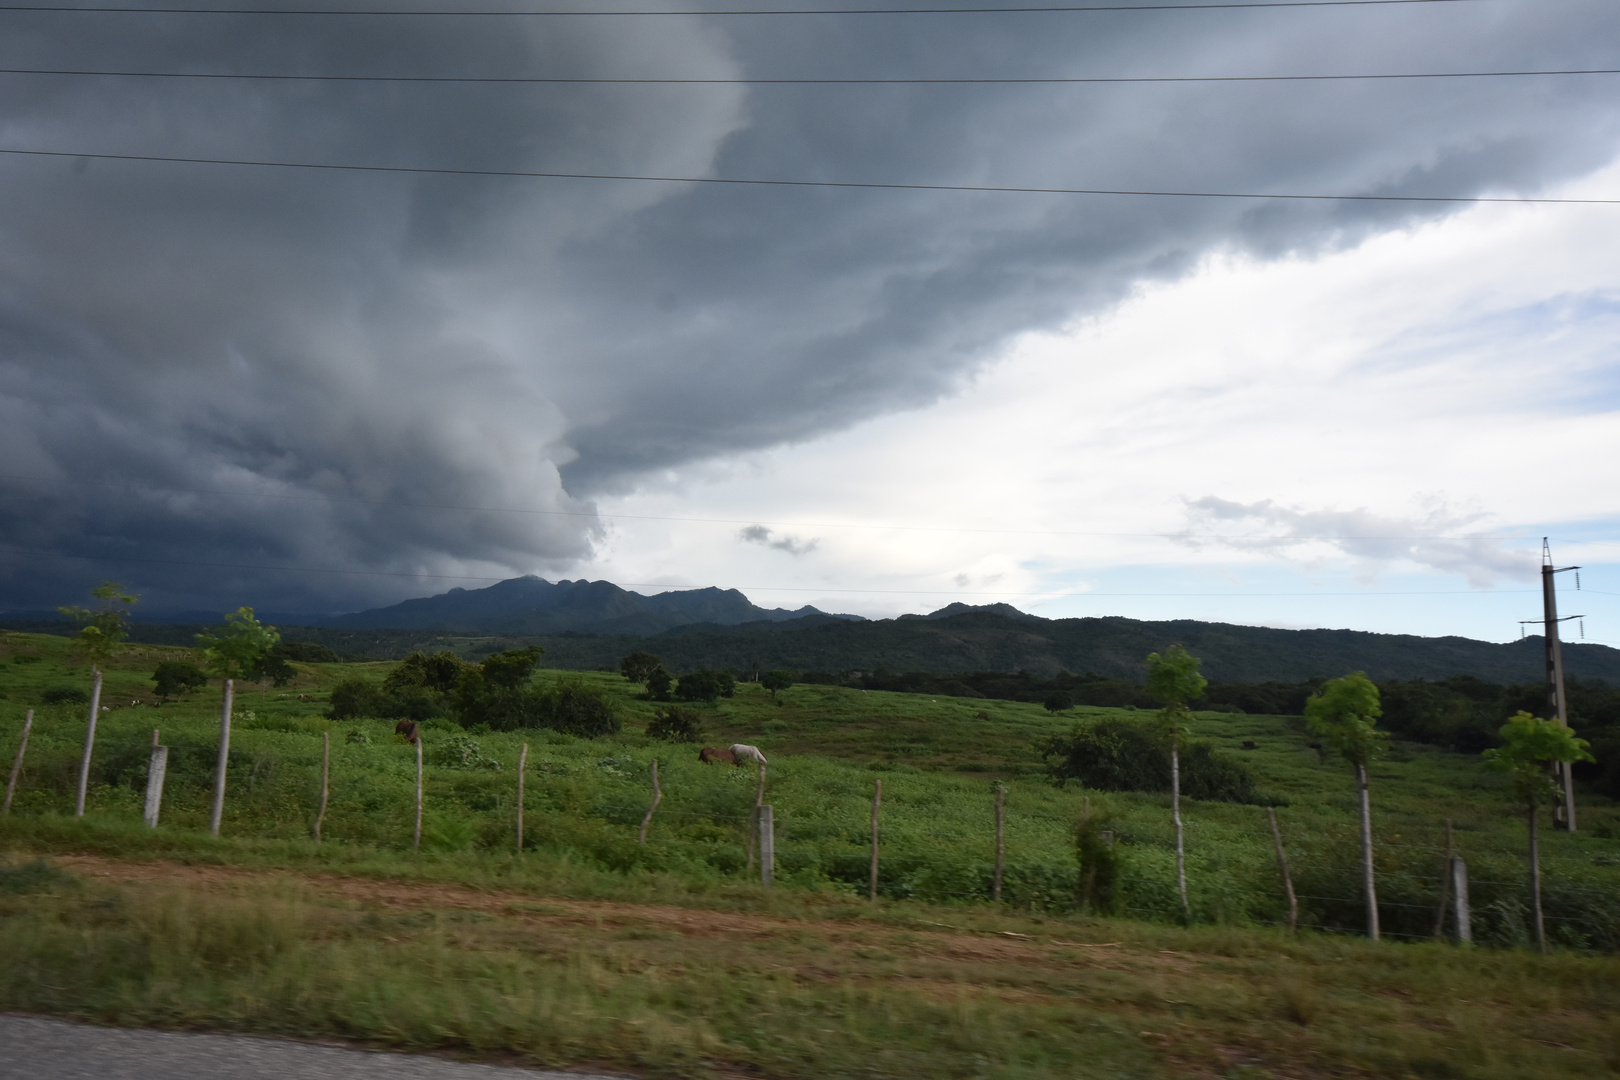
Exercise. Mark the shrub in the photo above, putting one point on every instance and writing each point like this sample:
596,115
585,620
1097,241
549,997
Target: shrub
438,673
353,698
65,695
1059,701
1114,754
705,685
576,709
1094,886
639,666
676,724
175,677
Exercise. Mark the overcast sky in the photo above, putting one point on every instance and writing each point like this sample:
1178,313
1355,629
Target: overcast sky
318,390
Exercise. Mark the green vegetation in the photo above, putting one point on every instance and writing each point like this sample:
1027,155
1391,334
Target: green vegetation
274,933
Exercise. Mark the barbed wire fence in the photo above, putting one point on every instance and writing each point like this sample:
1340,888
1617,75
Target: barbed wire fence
123,759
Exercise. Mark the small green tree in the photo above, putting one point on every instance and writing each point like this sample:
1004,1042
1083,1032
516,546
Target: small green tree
235,650
639,666
1530,747
1173,681
776,680
658,684
106,625
175,677
1344,714
1059,701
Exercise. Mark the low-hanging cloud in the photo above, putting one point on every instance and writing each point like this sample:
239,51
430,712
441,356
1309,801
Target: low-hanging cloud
760,534
1438,538
310,390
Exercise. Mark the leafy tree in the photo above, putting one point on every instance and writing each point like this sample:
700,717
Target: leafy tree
272,667
438,673
705,685
1344,714
511,669
1530,746
776,680
658,684
353,698
106,625
236,648
1059,701
1173,680
176,677
639,666
676,724
1117,754
305,652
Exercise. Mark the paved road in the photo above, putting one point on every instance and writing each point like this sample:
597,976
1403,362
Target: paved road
35,1049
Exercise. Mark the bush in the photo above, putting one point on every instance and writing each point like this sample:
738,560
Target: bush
1059,702
353,698
65,695
175,677
676,724
438,673
304,652
1115,754
576,709
705,685
1094,886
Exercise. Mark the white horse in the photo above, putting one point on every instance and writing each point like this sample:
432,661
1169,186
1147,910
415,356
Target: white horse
743,752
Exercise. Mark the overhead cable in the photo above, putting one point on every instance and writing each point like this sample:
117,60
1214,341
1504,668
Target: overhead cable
1023,9
846,184
1044,80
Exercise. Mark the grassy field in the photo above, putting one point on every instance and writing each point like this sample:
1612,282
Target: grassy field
668,957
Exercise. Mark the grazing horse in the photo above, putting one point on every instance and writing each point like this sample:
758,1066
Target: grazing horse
406,728
709,755
742,752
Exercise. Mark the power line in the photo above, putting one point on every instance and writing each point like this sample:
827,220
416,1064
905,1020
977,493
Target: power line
1056,80
1232,5
1180,535
846,184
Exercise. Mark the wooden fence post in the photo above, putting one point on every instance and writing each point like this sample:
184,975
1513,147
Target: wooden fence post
416,843
1001,841
1445,887
89,741
156,769
764,815
523,760
658,797
16,764
877,803
1459,892
326,772
1282,867
224,758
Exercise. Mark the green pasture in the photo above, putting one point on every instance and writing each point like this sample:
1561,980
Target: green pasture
939,760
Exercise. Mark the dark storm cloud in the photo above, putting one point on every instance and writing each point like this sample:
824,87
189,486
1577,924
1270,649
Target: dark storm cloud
383,368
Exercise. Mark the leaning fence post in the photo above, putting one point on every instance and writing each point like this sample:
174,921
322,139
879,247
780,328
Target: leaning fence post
416,843
523,760
89,741
763,814
326,772
877,803
1282,867
16,764
1001,841
658,797
1445,887
1459,889
155,771
224,758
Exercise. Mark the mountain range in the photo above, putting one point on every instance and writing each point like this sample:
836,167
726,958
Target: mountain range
591,624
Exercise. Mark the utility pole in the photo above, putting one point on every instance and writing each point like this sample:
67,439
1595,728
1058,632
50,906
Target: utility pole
1557,704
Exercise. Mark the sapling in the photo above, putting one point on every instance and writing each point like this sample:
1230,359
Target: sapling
1344,714
1173,680
1531,749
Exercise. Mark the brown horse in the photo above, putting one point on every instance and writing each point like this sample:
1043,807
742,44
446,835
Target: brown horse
710,755
407,728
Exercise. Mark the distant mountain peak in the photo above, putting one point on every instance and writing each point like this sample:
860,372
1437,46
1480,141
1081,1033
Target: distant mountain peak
532,605
959,608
